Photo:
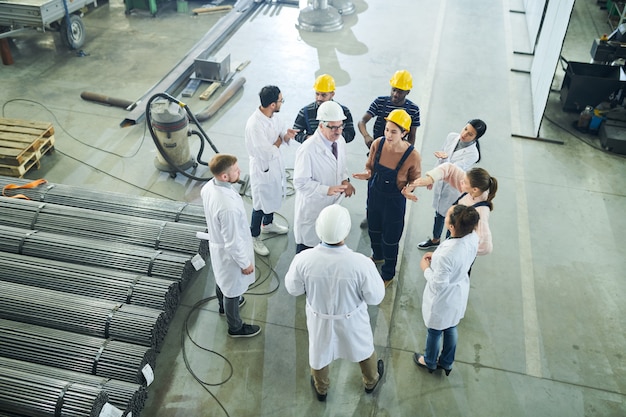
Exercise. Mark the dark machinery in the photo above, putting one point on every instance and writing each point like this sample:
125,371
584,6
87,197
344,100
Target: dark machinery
608,49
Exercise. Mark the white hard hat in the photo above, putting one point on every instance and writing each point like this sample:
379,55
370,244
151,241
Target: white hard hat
330,111
333,224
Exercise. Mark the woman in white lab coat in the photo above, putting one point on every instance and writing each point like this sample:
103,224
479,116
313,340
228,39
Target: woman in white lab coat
463,150
447,288
339,284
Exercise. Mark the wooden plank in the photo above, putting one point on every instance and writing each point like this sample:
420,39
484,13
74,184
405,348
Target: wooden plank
46,126
29,160
209,91
20,138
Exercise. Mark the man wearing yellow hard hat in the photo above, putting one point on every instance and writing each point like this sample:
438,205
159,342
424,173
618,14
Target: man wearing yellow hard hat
307,122
401,84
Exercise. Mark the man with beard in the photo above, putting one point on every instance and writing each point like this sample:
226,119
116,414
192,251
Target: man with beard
230,243
306,121
264,135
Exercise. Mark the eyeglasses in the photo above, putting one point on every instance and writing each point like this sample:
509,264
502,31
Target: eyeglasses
334,128
282,100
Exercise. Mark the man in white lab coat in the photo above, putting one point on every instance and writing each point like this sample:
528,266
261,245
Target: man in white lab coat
339,284
230,243
265,133
320,174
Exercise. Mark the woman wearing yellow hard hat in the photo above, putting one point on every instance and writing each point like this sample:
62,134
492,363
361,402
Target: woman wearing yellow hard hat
392,164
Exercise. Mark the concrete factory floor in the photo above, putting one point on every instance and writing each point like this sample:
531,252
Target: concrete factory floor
544,333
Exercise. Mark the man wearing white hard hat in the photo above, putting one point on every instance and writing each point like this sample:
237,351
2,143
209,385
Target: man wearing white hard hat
338,284
320,175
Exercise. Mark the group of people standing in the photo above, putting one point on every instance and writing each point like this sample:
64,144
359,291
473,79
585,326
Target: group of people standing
339,283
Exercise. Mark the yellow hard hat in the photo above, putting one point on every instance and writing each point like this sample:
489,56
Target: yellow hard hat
401,118
402,80
324,84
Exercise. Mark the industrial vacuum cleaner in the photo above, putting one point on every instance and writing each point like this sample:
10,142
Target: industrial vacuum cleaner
168,120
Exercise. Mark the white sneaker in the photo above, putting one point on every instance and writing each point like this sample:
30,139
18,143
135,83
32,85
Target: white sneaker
274,228
259,247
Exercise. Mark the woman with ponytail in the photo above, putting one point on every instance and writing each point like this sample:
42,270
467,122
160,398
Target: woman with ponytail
478,190
447,288
463,150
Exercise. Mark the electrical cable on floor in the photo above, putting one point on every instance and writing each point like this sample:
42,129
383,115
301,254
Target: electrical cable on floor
580,138
108,174
183,336
132,155
270,273
186,334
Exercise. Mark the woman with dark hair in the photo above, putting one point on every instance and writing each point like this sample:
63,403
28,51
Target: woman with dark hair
447,288
393,163
463,150
478,188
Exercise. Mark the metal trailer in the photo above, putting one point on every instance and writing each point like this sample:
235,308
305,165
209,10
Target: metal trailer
58,15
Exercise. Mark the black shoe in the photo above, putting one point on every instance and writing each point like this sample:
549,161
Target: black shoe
447,371
247,330
320,397
416,359
242,301
381,371
428,244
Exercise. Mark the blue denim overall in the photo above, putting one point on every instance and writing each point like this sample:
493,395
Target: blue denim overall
385,213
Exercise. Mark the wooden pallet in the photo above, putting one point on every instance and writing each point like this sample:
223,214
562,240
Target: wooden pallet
22,144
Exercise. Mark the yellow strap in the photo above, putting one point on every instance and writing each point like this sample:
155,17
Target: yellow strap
32,184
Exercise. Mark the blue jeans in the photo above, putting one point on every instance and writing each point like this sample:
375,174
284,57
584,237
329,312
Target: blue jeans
431,354
440,222
255,223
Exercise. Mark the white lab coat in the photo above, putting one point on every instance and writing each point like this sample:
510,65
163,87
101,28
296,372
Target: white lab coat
315,169
267,170
444,195
230,242
447,282
338,283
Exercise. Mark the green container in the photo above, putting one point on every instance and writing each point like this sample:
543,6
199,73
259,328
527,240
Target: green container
182,6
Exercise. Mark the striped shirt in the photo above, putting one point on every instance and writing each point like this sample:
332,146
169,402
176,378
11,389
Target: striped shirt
382,106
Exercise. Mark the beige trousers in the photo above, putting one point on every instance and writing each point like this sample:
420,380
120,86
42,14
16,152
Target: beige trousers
369,370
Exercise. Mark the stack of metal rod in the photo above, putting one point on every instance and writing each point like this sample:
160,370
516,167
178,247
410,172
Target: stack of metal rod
126,396
85,315
76,352
145,207
37,395
104,283
54,218
126,257
90,281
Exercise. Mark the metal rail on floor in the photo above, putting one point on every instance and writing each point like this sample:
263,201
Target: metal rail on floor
179,75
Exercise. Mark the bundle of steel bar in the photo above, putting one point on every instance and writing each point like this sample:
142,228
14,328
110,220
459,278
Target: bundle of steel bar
55,218
125,396
85,315
157,263
38,395
104,283
138,206
75,352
